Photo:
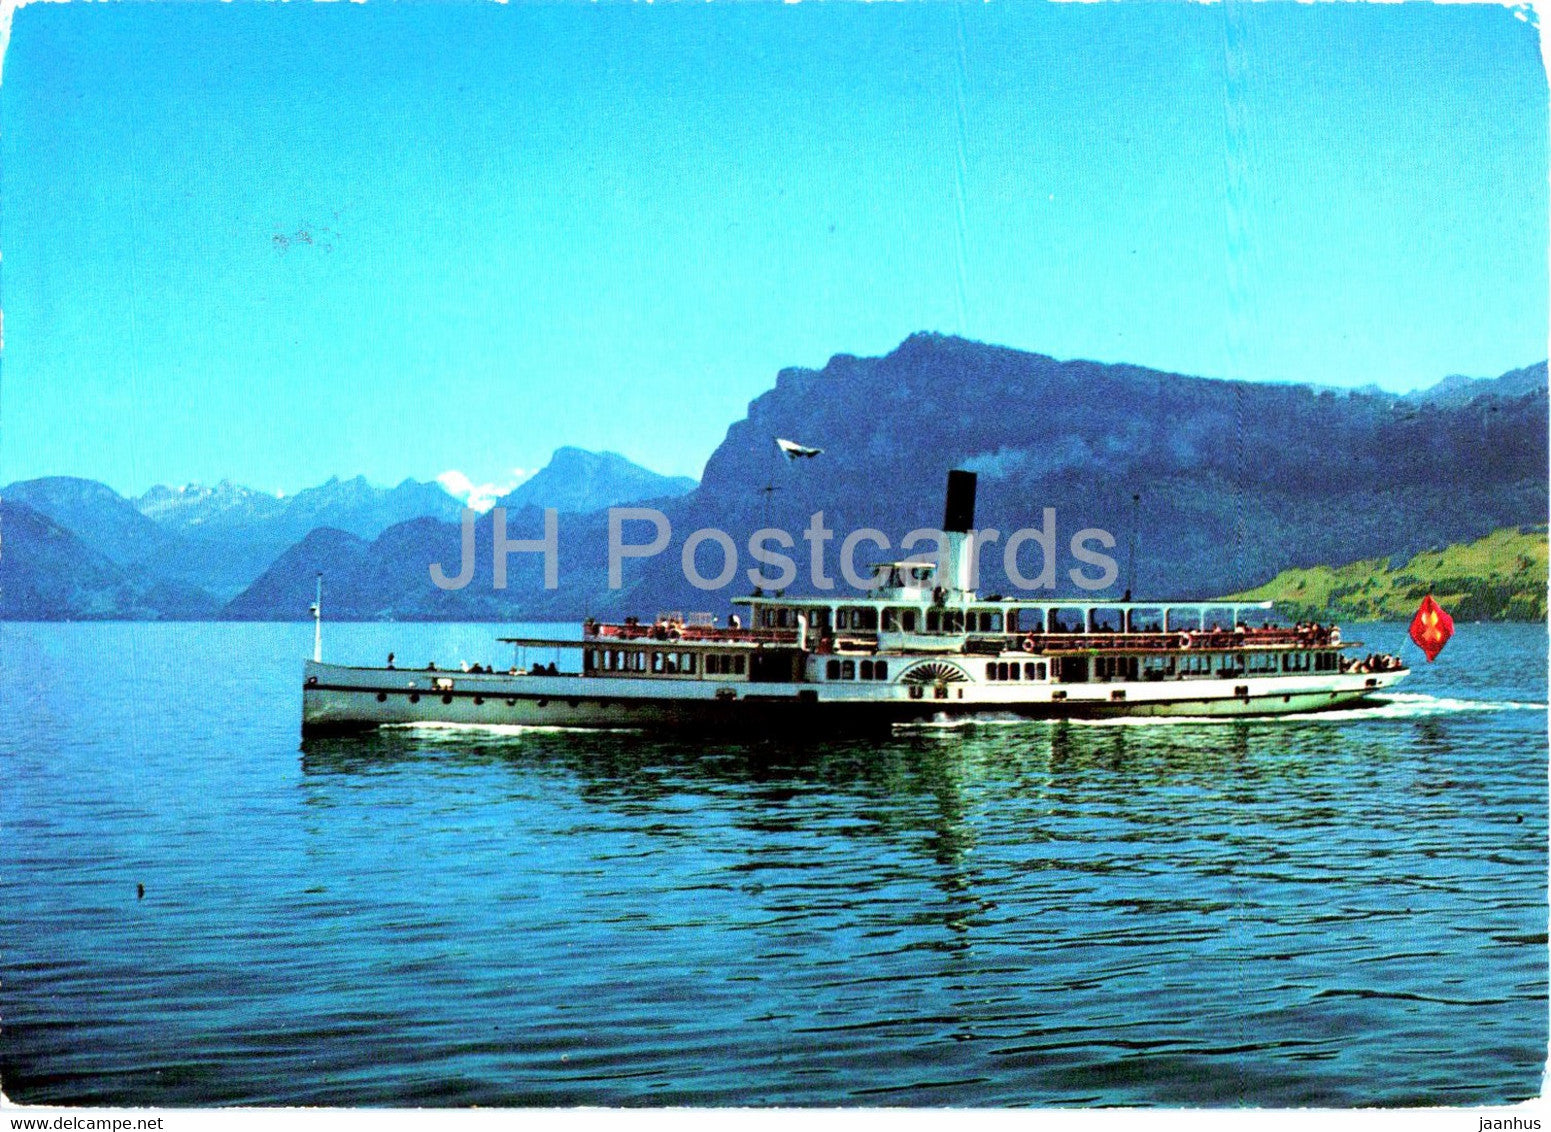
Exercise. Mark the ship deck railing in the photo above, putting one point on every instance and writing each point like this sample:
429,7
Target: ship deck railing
1172,641
1216,640
1053,641
703,634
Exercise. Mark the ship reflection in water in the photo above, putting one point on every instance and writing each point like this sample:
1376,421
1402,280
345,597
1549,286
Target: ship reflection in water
1345,909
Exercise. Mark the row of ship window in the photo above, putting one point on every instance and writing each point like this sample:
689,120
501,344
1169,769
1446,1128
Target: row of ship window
900,619
1198,664
1223,664
1010,670
852,670
663,663
895,620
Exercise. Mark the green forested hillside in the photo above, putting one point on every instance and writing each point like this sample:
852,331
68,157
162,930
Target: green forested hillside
1501,577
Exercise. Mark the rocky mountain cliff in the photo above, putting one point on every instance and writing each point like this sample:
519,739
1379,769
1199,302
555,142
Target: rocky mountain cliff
1236,480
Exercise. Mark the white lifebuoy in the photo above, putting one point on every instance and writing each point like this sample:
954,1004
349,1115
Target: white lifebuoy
1028,643
1184,640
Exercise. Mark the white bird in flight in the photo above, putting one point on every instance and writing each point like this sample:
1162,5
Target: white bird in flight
793,450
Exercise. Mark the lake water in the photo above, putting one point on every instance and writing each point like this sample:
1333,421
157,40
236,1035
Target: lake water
1337,910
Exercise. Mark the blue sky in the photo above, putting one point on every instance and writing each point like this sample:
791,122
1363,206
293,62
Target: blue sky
611,225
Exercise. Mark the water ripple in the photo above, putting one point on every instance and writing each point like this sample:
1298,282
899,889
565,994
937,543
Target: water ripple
1347,909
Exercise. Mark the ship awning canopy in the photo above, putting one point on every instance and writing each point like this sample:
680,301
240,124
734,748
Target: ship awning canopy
1003,601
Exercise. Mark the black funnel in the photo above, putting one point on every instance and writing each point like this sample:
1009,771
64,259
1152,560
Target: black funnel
958,513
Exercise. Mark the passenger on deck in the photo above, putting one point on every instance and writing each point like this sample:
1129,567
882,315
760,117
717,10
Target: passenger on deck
390,660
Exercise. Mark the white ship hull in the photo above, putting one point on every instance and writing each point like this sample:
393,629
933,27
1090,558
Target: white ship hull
341,698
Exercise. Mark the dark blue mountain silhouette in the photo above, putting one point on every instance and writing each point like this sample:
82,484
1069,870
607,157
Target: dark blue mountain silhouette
47,573
579,481
1237,480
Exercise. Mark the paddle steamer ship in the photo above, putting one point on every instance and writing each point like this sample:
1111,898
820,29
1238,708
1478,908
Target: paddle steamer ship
920,645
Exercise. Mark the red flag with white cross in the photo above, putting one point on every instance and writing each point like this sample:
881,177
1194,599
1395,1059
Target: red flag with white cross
1431,628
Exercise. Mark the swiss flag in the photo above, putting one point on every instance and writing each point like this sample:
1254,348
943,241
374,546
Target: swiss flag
1431,628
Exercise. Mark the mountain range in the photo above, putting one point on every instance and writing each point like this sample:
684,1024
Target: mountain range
1236,480
75,548
49,573
229,510
577,481
1219,484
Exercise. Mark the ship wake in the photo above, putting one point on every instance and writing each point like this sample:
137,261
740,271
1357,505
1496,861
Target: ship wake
1398,705
454,729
